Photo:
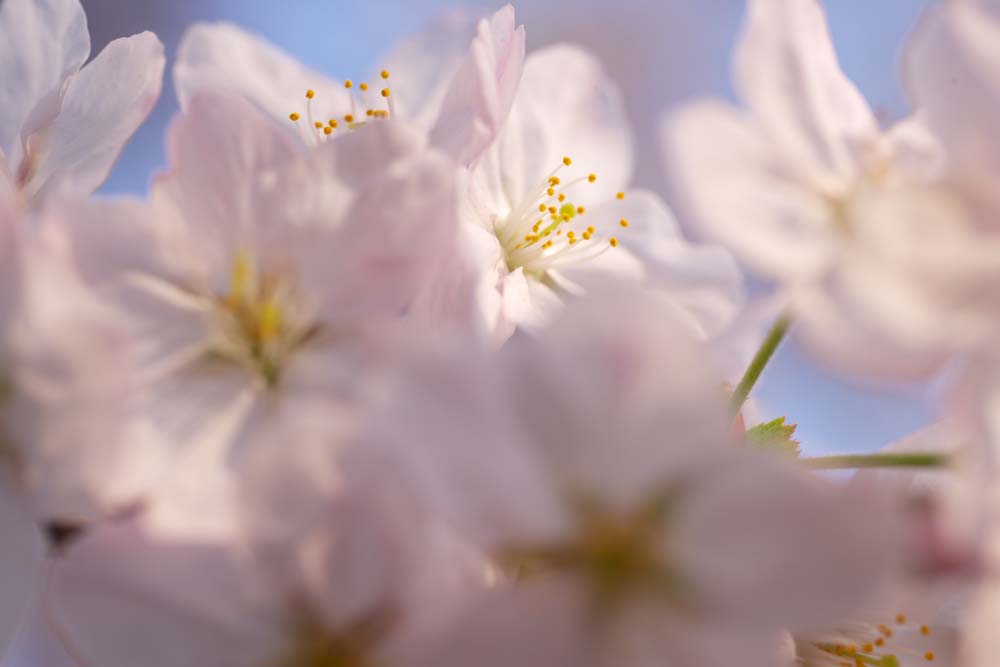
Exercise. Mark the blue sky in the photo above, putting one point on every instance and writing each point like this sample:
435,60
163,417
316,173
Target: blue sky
663,52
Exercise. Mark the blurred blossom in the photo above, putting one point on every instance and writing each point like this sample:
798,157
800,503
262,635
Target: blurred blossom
255,272
593,463
847,219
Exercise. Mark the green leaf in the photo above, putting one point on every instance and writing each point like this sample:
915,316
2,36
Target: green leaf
775,436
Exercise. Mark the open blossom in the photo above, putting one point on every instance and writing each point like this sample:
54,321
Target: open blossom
547,215
256,270
471,96
593,464
874,256
63,124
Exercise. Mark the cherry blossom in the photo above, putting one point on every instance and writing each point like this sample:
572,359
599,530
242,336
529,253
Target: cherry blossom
594,464
868,248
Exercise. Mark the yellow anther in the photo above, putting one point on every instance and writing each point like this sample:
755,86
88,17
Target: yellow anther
868,648
613,241
294,117
364,86
879,641
562,197
547,244
385,92
572,241
310,94
925,630
929,656
550,192
623,222
384,74
541,208
587,235
552,210
348,84
369,112
269,323
901,618
333,122
327,130
592,178
580,210
620,195
317,124
567,161
349,118
554,180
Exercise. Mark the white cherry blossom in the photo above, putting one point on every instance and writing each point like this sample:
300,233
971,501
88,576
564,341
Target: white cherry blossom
874,256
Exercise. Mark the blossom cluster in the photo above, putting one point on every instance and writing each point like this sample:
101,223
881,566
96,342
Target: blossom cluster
402,372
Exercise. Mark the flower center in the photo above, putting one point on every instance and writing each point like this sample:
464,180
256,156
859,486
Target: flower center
617,553
861,644
545,231
255,321
317,130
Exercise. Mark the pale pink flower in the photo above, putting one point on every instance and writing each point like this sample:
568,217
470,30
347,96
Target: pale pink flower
64,124
547,215
257,271
593,463
471,94
874,257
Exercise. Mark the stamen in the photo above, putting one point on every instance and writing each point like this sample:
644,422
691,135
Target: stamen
384,74
620,195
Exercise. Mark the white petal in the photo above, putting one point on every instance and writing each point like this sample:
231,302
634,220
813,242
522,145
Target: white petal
702,281
403,214
223,58
480,94
224,156
42,43
101,108
423,66
825,548
787,74
599,387
567,105
738,190
951,66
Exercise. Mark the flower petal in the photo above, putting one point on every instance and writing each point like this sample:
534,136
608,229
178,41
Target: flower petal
732,184
42,43
102,106
482,91
567,105
223,58
787,74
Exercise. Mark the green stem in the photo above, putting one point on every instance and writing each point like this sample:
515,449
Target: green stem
895,460
757,364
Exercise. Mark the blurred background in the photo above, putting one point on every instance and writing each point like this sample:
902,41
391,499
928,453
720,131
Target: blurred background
662,52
